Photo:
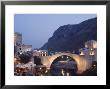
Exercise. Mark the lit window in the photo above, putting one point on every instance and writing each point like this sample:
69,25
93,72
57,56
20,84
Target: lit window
91,53
81,53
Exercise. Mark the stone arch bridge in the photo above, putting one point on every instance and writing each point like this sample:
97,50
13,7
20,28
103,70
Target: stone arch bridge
81,62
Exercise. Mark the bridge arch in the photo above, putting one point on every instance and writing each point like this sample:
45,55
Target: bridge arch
82,63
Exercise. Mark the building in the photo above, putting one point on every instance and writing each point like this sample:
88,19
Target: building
90,50
19,47
92,44
17,39
25,48
40,53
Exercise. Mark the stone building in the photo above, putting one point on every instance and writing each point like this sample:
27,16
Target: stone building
40,53
19,47
90,50
17,39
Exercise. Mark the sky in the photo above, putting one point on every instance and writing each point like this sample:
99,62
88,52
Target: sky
36,29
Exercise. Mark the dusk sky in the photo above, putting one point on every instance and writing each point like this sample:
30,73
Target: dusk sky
36,29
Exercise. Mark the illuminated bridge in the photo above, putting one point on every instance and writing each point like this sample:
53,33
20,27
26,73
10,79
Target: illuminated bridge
82,63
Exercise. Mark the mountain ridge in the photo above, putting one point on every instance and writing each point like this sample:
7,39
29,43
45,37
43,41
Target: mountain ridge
72,36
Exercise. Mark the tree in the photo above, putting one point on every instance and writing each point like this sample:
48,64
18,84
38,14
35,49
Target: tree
25,57
37,60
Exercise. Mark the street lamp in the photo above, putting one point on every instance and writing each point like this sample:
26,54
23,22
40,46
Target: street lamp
46,71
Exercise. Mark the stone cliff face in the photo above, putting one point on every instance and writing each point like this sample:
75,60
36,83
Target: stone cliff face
72,37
